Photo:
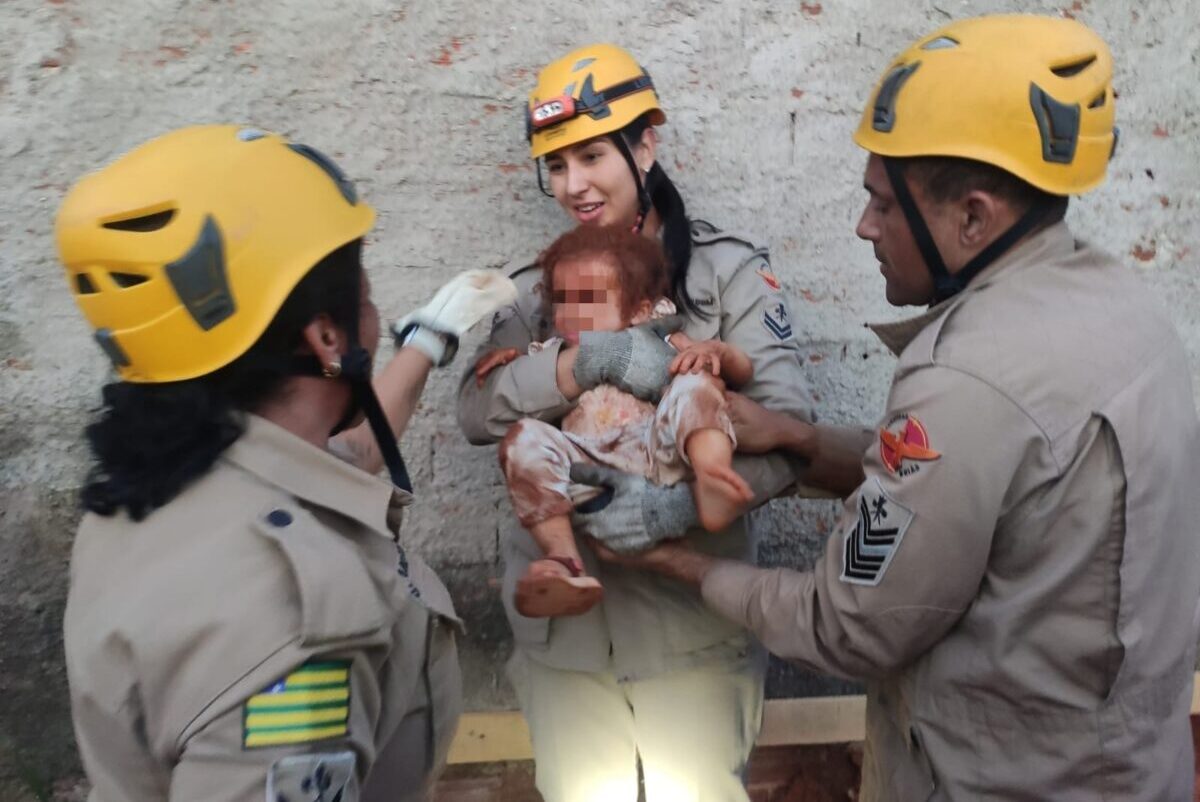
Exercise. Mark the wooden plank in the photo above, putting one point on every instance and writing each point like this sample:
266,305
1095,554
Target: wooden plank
817,720
503,735
491,738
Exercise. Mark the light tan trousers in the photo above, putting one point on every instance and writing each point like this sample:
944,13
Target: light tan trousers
693,730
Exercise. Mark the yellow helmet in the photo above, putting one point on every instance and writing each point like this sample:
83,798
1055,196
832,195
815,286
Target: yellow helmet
589,92
1031,95
182,251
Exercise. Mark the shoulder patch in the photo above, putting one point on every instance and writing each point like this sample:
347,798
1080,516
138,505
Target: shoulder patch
310,704
319,776
776,320
876,536
904,442
768,278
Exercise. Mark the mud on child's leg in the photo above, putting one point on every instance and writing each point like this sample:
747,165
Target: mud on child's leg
693,418
536,460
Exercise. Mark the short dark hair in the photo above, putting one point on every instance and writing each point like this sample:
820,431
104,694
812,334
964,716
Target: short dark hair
944,179
639,262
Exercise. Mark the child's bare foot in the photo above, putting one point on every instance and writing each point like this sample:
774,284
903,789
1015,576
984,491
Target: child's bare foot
548,590
719,491
493,360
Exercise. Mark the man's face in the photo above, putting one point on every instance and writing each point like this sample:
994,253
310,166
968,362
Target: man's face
883,225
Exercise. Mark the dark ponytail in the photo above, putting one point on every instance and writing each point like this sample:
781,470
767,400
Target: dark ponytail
150,440
676,228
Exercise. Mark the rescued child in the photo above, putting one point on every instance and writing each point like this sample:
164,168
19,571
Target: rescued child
607,279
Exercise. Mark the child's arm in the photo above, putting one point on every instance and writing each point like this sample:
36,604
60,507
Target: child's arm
721,359
492,360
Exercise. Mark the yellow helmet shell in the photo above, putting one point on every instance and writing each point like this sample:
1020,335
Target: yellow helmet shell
589,92
181,252
1028,94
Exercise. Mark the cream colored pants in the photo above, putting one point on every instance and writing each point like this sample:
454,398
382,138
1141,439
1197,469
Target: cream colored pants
692,729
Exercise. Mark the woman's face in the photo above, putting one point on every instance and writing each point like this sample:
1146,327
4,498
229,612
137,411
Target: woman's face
593,183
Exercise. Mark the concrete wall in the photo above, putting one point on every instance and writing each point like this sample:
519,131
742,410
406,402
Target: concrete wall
420,102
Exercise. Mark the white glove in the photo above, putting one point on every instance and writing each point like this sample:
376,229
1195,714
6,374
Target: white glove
461,302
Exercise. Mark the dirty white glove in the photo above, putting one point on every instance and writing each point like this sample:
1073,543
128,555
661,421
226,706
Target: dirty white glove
461,302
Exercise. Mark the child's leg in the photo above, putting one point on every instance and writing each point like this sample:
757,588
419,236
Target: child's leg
692,427
536,459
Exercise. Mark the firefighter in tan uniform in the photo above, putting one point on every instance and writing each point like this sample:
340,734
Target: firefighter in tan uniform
1017,576
650,673
243,622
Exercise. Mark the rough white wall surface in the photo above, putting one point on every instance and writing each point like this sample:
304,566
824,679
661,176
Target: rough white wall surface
421,104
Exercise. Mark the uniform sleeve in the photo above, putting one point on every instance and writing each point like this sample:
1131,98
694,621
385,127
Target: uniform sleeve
912,546
524,388
113,743
756,319
312,727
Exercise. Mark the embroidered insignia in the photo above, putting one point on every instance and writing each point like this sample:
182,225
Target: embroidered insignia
876,536
909,442
319,777
775,318
310,704
769,278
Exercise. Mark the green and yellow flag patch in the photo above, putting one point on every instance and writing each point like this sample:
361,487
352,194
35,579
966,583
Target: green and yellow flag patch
310,704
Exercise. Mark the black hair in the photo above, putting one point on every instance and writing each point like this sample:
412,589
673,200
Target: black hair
676,228
944,179
149,441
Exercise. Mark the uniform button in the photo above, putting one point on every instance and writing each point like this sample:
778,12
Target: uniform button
279,518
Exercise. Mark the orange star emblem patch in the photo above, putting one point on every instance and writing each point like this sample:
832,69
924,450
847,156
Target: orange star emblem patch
910,442
768,278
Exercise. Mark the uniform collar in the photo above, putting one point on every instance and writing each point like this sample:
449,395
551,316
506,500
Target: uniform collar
315,476
1047,244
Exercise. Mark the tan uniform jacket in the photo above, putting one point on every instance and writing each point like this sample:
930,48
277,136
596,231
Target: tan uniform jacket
1018,576
653,624
256,633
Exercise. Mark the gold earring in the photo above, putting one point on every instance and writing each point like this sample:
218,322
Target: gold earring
332,370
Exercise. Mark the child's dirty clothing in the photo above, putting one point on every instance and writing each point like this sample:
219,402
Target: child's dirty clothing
612,428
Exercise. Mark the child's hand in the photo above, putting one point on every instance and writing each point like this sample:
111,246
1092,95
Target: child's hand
700,357
493,360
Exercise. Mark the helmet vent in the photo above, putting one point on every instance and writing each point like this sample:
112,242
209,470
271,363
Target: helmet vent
200,280
84,285
1075,67
143,223
1058,124
127,280
1099,100
940,43
885,101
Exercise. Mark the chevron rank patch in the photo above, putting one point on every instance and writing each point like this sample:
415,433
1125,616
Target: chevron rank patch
310,704
775,318
876,536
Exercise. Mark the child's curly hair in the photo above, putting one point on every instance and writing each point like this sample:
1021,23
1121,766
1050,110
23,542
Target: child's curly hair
639,262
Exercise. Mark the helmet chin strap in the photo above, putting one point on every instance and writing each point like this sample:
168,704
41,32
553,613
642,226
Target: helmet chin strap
643,190
356,370
947,284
